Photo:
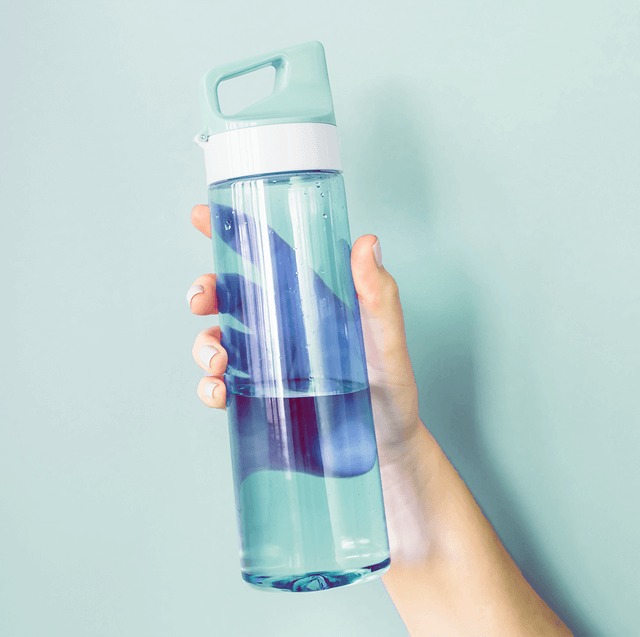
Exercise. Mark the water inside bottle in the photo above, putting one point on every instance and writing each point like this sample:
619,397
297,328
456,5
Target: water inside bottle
308,494
308,474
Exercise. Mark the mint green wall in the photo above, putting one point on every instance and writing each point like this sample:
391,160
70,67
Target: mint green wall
493,147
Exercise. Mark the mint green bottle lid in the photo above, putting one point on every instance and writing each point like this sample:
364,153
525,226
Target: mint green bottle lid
301,92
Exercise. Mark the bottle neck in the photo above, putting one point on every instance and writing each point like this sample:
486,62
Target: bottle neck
258,150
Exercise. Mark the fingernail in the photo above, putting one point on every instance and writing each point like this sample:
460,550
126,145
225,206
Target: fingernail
193,290
208,389
206,353
377,253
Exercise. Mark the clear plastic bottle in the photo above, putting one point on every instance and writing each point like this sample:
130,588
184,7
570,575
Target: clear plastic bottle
308,494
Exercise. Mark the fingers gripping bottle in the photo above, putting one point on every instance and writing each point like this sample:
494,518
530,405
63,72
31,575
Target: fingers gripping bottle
308,493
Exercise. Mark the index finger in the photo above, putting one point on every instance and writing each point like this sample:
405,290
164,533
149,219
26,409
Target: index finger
201,220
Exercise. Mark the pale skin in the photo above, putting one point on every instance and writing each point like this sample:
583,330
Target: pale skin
450,575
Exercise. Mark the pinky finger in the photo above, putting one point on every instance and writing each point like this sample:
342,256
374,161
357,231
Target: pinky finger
212,392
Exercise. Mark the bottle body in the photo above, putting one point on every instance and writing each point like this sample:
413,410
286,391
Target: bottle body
308,494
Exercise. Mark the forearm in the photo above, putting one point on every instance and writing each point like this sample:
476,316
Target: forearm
463,581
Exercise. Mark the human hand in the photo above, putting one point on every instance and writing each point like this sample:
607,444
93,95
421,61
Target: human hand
449,573
393,389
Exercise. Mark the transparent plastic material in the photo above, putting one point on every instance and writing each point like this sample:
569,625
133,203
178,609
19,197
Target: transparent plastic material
308,494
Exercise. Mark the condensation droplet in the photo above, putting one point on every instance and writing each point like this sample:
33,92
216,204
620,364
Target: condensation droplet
324,215
305,192
322,194
317,184
227,225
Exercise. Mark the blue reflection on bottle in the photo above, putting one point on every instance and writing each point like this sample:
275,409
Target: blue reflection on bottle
345,444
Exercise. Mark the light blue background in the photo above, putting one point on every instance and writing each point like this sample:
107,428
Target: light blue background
493,147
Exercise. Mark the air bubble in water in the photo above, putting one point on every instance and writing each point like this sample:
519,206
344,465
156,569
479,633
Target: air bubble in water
227,225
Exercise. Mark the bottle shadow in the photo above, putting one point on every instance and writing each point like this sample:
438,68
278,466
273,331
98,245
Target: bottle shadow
444,339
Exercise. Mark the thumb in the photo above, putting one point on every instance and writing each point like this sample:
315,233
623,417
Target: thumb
382,318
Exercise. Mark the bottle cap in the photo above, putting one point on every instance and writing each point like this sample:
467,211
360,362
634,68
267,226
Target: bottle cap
292,129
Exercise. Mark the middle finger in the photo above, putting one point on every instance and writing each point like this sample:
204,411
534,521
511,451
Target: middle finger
208,353
202,295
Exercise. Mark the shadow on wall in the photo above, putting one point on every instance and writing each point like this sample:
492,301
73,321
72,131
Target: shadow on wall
443,342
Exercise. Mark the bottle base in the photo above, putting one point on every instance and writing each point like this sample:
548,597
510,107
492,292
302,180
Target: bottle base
317,581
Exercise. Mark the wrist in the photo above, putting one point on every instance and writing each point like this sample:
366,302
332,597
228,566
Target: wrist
449,572
412,497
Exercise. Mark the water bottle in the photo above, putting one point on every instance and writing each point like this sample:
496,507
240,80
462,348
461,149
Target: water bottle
308,493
